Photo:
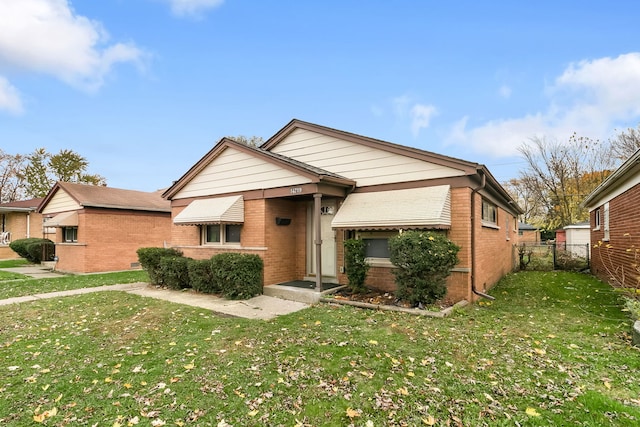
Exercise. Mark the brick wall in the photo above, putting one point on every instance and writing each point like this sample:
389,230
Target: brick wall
108,239
281,247
622,252
494,253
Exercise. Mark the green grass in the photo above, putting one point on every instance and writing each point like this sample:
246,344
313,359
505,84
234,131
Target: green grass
552,349
10,263
30,286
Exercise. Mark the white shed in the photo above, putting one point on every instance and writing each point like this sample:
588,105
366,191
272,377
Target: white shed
578,238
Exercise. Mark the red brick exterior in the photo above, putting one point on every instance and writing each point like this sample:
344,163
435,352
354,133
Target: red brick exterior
282,247
494,251
109,238
617,260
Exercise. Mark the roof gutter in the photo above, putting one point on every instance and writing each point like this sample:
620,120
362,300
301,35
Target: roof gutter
474,192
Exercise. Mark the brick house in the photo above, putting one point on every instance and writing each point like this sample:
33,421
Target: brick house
295,199
101,228
615,225
18,220
528,233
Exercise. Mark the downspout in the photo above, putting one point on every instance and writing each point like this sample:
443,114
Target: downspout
317,204
474,192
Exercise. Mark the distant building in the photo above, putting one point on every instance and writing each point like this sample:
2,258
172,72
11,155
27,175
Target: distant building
18,220
528,233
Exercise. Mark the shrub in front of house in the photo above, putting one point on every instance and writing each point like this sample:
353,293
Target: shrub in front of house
174,272
30,248
239,276
37,250
356,266
424,261
150,260
201,276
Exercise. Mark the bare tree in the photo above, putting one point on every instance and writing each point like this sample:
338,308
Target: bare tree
625,143
252,141
560,175
530,204
11,183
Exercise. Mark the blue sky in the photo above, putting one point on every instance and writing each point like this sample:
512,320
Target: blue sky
144,88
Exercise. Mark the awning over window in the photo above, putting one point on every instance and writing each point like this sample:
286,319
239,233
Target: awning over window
64,219
212,211
424,207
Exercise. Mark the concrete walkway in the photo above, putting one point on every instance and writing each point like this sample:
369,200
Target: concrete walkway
260,307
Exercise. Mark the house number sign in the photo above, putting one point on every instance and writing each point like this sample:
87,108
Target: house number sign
296,190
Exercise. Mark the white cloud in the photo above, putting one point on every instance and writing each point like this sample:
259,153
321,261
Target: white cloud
54,40
420,117
192,8
504,92
9,97
589,98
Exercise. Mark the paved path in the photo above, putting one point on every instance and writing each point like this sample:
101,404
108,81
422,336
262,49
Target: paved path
260,307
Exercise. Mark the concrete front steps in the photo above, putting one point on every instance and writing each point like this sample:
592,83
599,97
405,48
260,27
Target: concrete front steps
291,293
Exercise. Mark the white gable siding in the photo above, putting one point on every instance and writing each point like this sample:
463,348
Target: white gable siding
365,165
234,170
61,202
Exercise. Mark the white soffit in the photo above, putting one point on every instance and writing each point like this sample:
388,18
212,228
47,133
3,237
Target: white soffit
64,219
414,207
212,211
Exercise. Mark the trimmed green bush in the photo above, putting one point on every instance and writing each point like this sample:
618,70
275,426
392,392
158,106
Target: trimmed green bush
356,265
174,272
201,276
238,275
424,261
22,248
37,249
150,260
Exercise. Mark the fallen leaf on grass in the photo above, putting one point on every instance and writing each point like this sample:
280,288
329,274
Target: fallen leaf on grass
353,413
532,412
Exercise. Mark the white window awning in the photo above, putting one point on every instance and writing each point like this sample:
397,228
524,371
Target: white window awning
64,219
212,211
426,207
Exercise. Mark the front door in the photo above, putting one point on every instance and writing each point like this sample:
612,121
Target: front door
327,211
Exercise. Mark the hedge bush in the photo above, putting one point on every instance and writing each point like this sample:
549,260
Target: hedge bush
201,276
356,265
36,249
150,260
30,248
238,275
174,272
424,261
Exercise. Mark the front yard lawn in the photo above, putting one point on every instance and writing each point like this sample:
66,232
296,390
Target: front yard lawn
552,349
30,286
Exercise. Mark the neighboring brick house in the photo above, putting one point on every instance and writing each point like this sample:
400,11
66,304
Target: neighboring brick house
18,220
615,225
528,233
101,228
295,199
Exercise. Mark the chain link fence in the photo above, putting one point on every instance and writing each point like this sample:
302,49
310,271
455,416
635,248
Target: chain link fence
552,256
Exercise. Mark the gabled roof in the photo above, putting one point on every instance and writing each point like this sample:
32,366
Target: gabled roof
475,170
106,197
21,205
314,173
294,124
623,178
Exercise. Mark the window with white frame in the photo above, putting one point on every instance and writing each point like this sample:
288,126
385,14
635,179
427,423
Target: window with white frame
70,234
606,222
221,234
489,213
597,219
